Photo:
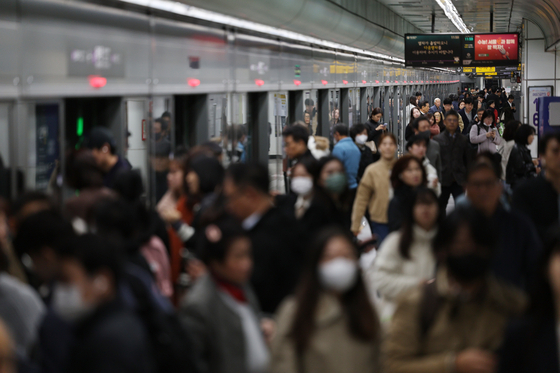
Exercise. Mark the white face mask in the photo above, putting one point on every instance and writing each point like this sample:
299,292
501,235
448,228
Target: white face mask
339,274
302,185
361,139
67,302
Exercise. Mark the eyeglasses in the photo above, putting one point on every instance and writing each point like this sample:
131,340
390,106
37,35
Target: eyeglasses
483,184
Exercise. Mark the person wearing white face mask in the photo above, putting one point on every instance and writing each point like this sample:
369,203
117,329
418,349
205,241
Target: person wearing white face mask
359,134
330,325
108,337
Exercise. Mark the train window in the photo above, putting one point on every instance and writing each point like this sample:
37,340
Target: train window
44,156
4,135
353,106
278,164
161,140
310,117
334,111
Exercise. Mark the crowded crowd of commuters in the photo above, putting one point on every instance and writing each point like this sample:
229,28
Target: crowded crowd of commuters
360,267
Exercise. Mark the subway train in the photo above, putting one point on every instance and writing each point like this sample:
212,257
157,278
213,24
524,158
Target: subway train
69,66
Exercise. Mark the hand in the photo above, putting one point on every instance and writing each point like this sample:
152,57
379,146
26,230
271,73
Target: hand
195,269
435,182
538,170
268,327
490,134
536,162
381,127
474,360
170,215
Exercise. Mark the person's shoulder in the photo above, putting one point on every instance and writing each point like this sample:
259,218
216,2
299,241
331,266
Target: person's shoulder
201,295
505,298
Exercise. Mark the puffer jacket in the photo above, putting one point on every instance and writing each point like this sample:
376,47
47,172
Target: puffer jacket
520,165
478,136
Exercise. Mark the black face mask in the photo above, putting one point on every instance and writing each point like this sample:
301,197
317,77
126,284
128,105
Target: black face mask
469,267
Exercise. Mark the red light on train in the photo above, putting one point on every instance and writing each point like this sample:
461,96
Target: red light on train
297,82
388,81
259,82
377,81
193,82
345,81
324,82
364,82
97,81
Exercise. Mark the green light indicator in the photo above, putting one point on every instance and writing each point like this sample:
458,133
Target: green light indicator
80,126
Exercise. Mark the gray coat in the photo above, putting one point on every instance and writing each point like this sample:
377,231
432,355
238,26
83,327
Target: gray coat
433,155
216,329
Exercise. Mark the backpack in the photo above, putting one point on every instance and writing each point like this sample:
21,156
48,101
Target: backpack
474,146
171,345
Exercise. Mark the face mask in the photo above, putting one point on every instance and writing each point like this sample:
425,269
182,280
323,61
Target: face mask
361,139
302,185
338,274
67,302
157,136
467,268
336,183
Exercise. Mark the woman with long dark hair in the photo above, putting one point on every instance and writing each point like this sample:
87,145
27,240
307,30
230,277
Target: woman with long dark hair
438,120
434,127
406,257
374,126
508,141
485,133
408,174
330,325
531,343
521,165
414,114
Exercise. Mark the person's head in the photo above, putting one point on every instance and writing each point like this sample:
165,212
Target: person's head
376,114
423,212
413,100
26,205
306,118
361,131
491,104
340,131
129,186
90,270
388,146
303,178
166,120
103,147
225,249
465,244
331,175
414,113
549,150
246,187
418,145
309,105
82,171
157,129
420,124
408,171
488,118
8,360
437,102
336,114
438,119
41,236
511,98
205,174
332,266
525,135
451,121
418,96
211,148
469,105
483,187
176,175
480,98
447,104
430,117
424,106
510,129
295,141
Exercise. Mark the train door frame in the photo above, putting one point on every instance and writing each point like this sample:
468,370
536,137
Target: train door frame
12,136
344,113
363,105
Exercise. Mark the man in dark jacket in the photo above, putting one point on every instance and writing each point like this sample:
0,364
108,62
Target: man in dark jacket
436,107
509,109
108,336
456,156
274,234
519,247
492,96
538,198
468,115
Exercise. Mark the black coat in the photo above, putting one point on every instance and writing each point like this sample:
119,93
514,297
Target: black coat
373,133
468,123
508,111
112,340
456,155
399,206
366,159
530,346
520,165
277,257
537,199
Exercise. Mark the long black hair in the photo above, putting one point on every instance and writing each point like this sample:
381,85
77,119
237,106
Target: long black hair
363,323
424,196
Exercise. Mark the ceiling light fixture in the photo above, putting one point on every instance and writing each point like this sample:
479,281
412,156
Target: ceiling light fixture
452,13
206,15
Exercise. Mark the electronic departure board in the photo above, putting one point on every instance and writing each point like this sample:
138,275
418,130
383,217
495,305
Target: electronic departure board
454,50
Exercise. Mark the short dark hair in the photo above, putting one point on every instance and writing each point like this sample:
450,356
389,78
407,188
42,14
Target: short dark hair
418,138
510,129
545,140
309,102
486,160
82,170
412,100
30,197
468,100
511,97
417,121
424,103
100,136
251,174
490,102
400,165
376,111
298,133
489,114
166,114
216,239
447,101
523,133
341,129
452,113
418,94
356,129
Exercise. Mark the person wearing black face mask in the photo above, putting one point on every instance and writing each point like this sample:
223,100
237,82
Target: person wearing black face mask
463,313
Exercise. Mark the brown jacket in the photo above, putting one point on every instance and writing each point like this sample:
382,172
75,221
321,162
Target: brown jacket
331,349
474,324
373,192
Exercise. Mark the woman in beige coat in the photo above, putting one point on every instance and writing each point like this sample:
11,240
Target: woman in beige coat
330,326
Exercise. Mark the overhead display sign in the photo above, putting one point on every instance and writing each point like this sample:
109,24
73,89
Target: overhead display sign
454,50
485,70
